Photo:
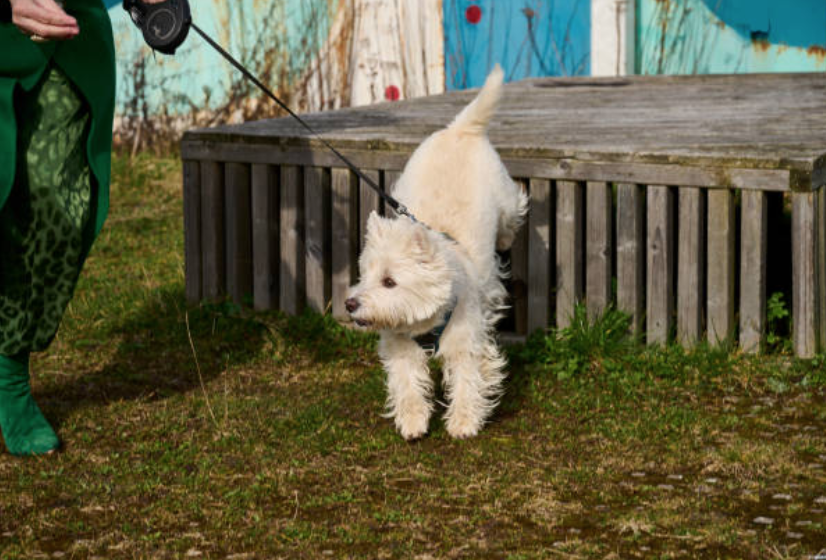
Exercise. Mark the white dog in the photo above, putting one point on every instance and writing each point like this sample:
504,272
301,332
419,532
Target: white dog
417,276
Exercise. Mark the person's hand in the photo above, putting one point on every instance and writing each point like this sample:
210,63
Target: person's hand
43,20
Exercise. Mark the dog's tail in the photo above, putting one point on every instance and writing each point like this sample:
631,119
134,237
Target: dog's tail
475,117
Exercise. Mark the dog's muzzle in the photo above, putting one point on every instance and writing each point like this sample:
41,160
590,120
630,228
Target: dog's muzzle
352,305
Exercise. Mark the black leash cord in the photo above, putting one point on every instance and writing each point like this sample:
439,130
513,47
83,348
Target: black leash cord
394,204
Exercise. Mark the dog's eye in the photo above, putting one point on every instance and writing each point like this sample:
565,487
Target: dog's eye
388,282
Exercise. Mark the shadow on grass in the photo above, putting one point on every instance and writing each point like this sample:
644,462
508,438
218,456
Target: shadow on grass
157,348
154,358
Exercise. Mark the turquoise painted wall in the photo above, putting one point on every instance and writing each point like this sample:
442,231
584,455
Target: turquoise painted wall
527,37
730,36
276,38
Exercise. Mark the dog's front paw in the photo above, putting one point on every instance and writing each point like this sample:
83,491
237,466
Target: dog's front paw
462,425
413,424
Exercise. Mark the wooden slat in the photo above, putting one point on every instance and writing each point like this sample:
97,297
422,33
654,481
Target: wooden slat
753,243
369,201
389,178
192,231
212,229
821,267
691,265
538,227
519,275
317,237
631,252
804,274
569,250
238,232
660,271
345,237
598,247
721,266
291,276
265,236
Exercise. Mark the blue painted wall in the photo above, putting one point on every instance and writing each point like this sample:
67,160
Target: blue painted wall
730,36
527,37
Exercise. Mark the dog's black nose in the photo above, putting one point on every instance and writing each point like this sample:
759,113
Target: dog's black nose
351,304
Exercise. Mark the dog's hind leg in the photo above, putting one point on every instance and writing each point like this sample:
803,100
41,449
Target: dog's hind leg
409,385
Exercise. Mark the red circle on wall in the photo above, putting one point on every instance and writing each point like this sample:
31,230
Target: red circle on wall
392,93
473,14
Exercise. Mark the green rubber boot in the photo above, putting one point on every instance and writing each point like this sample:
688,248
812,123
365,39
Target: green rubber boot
25,429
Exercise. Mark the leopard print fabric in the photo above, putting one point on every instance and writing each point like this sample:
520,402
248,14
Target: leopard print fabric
47,215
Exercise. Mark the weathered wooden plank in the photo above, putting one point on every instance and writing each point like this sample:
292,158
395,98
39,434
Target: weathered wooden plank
690,265
291,275
318,261
212,229
599,225
193,276
721,266
821,266
539,255
660,272
804,275
389,179
369,201
569,250
519,275
631,252
753,244
539,165
238,231
641,124
345,237
265,236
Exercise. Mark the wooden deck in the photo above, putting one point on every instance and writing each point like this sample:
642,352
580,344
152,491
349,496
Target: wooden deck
659,184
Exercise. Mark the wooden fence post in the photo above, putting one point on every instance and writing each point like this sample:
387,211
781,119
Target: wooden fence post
660,277
569,250
212,232
631,253
539,254
345,242
193,274
753,242
317,260
599,208
239,231
291,276
804,274
690,265
720,287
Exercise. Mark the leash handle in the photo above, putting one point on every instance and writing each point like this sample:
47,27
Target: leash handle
394,204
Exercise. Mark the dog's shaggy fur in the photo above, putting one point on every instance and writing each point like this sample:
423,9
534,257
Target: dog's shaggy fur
413,276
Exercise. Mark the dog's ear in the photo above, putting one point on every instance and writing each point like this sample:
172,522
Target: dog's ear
423,243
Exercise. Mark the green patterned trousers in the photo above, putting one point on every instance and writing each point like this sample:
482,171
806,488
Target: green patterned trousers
47,216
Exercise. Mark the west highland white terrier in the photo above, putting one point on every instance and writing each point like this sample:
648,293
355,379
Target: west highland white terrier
415,277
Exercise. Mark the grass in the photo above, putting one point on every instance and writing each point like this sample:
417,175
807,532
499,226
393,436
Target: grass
262,438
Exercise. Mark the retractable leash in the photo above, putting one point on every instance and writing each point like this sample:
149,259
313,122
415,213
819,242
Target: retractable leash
165,25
